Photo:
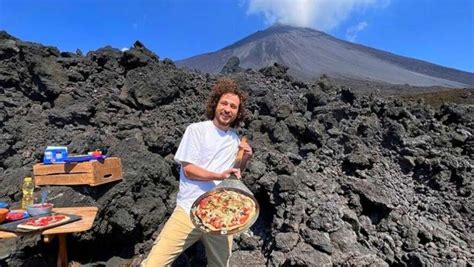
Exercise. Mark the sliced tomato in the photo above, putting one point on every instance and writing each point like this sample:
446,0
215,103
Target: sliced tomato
244,218
203,203
44,221
217,223
30,222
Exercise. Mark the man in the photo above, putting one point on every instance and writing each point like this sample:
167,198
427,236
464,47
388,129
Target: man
206,153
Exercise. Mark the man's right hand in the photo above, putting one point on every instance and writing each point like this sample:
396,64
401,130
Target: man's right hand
235,171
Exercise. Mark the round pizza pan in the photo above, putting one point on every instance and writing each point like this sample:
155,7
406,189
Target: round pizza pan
198,223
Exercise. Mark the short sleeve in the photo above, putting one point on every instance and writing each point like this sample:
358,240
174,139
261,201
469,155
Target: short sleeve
188,150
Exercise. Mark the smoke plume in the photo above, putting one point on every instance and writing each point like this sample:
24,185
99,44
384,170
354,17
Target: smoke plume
319,14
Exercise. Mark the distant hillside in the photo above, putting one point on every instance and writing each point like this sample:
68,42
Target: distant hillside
436,99
310,53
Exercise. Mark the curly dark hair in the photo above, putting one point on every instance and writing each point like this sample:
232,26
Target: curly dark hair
224,86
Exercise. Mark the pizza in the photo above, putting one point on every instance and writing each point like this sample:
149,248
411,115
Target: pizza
225,210
42,222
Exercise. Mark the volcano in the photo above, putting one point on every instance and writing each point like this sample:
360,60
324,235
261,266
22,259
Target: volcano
310,53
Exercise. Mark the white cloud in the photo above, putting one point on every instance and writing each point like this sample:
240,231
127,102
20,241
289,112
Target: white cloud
124,49
352,32
319,14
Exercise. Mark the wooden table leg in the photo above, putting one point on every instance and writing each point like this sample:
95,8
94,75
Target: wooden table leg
62,253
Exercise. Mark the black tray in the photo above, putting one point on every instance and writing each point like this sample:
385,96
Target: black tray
12,226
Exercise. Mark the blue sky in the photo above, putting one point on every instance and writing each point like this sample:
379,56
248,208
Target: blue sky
438,31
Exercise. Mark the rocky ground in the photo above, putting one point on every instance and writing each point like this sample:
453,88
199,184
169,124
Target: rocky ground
341,179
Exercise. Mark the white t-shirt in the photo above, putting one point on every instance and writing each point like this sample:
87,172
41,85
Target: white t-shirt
208,147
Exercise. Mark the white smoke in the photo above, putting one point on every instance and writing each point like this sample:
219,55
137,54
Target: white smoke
319,14
352,32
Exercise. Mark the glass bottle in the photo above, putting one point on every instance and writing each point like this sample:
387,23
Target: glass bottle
28,188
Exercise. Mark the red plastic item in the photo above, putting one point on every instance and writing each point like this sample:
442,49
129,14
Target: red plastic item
15,215
97,153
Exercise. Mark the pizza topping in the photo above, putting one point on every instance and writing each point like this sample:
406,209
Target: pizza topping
244,218
225,210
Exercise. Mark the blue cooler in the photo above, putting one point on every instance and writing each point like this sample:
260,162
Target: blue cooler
55,154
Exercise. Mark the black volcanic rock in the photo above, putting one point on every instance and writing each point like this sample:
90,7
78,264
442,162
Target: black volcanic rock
278,71
309,54
341,179
232,66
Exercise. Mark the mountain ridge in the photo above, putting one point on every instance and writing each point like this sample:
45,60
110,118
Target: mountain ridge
310,53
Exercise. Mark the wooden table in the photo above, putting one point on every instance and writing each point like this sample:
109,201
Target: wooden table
88,215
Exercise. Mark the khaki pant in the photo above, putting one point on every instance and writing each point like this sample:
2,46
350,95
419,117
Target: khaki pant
178,234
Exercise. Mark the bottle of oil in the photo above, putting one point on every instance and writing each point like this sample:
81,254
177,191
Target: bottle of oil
28,188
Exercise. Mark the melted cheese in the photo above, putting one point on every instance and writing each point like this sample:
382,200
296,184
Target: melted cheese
226,207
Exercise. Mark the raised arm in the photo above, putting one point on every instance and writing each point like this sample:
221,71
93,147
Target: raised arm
248,152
